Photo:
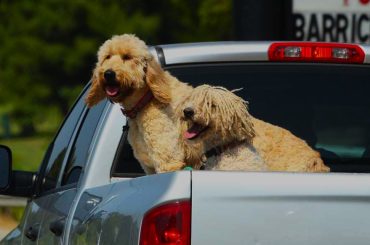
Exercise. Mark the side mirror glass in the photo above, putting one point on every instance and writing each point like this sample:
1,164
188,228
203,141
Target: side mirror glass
5,166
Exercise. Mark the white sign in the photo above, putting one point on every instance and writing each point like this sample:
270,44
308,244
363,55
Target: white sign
332,20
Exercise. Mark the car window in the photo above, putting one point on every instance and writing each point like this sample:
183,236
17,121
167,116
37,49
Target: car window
125,164
58,148
327,105
82,145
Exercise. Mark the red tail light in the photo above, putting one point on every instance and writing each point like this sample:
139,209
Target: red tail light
168,224
316,52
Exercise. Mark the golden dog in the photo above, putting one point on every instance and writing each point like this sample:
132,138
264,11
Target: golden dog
127,73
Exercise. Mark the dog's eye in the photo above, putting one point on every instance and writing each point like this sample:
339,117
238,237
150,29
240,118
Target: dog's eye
126,57
107,57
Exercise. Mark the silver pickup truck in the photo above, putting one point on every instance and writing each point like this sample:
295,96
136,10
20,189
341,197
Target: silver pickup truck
91,190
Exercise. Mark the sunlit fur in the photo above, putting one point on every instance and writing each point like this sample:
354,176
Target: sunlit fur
229,121
283,151
153,133
228,125
128,56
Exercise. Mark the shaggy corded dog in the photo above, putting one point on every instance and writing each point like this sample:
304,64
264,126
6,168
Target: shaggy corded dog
218,129
126,73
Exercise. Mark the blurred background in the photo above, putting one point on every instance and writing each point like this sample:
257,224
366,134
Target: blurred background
48,50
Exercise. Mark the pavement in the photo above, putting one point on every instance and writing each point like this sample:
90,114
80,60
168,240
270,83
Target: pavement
6,225
3,233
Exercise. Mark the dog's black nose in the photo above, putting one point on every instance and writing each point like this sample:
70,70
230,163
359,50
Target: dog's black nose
188,112
110,75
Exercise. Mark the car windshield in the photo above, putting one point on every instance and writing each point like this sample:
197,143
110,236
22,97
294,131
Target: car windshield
327,105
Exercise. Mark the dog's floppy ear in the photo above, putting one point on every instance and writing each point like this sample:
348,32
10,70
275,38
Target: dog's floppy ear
96,93
232,111
157,82
243,127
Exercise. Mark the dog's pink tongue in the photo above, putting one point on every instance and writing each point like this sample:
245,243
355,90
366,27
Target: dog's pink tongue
193,131
112,91
189,135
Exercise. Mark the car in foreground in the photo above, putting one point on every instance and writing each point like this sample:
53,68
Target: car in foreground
91,190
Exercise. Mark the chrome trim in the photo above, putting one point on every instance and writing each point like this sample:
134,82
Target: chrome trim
366,49
215,52
154,53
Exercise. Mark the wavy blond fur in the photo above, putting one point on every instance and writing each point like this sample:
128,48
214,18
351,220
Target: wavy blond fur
267,147
153,132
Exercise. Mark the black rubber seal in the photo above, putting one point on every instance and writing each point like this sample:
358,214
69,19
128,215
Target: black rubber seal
160,55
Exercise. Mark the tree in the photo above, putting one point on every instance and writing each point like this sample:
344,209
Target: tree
48,49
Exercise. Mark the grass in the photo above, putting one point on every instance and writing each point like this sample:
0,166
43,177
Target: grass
27,156
27,152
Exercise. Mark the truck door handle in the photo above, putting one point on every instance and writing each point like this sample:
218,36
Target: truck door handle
57,226
33,232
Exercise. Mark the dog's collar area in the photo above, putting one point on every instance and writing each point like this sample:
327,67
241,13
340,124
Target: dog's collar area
132,113
218,150
212,152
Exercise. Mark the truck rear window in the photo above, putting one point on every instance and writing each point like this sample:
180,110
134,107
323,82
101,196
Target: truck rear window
327,105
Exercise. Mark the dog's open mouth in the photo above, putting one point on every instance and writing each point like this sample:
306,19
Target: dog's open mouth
194,131
112,90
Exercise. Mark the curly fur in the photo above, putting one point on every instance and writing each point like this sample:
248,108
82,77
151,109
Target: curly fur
225,118
153,133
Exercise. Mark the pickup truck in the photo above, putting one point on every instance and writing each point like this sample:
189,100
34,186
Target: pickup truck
90,189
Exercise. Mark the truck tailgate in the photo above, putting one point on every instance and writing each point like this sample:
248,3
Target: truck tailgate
280,208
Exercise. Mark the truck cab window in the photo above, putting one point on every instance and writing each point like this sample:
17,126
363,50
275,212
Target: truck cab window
58,148
82,145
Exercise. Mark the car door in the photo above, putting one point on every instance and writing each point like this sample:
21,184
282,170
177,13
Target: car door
59,174
48,175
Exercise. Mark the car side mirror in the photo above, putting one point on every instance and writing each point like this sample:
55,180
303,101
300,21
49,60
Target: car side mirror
5,166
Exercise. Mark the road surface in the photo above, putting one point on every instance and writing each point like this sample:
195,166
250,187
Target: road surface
6,225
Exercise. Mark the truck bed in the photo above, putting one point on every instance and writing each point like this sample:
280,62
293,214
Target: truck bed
280,208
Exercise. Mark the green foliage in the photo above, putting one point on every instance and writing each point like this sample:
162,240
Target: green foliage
216,19
48,51
27,152
48,48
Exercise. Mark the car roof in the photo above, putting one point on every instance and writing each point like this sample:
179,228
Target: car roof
209,52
